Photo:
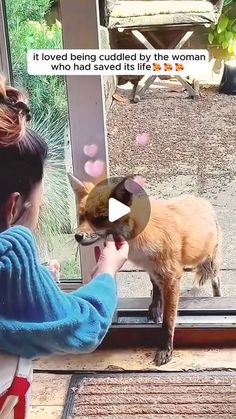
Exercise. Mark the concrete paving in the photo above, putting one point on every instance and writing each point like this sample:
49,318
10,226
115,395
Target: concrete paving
223,197
137,284
192,150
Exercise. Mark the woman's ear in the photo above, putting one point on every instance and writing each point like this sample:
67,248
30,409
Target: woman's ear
11,209
122,194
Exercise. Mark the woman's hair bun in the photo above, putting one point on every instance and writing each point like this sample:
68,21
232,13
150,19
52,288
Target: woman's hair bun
14,114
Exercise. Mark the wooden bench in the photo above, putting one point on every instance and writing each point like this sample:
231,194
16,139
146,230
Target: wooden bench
156,24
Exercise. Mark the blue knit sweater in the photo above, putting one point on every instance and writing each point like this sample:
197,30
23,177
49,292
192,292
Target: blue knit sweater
36,317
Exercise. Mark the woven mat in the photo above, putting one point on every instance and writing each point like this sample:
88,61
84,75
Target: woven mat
152,396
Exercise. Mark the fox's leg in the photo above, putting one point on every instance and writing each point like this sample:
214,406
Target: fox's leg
155,311
171,288
216,286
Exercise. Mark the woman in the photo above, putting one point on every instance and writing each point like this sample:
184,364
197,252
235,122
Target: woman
36,317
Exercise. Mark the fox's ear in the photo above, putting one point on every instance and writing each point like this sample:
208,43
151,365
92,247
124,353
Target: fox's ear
122,194
78,187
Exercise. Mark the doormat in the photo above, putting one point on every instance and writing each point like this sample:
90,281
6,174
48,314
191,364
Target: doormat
204,395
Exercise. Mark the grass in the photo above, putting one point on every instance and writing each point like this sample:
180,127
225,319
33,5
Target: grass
70,269
58,196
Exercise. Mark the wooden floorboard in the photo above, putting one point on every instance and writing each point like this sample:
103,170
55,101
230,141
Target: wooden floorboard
48,395
46,412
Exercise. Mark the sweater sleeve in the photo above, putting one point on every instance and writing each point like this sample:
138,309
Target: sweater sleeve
36,317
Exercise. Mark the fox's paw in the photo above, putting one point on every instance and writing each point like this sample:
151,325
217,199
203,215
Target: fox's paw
163,356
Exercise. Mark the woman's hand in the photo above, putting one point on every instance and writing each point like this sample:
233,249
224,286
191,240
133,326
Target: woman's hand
112,258
54,267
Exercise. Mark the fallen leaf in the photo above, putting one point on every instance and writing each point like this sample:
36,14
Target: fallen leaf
119,98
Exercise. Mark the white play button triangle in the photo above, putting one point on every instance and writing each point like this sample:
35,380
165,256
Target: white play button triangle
116,210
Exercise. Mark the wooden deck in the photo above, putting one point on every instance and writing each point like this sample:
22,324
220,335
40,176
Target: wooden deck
50,388
49,391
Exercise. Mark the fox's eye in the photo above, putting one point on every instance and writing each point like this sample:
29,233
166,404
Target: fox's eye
100,219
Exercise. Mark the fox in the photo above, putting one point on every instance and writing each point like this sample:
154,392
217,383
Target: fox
182,233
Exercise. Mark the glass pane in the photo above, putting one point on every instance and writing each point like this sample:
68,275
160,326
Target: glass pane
36,24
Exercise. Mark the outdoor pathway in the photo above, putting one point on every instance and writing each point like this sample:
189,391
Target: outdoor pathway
192,149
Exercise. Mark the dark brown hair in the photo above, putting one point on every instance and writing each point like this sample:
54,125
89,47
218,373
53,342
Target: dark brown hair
22,151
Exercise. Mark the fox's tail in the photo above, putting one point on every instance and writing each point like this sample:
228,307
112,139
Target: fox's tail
210,268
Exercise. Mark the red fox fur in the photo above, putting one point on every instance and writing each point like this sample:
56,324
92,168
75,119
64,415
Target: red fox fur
182,232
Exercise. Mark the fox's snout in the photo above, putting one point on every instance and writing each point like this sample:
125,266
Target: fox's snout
84,235
79,237
86,239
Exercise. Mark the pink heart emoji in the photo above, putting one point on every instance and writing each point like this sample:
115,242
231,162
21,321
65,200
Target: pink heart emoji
94,168
135,185
142,139
90,150
140,180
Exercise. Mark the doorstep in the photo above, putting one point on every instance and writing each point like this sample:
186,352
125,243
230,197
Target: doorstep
139,360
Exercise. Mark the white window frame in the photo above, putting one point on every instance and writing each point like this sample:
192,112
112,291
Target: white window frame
80,29
4,52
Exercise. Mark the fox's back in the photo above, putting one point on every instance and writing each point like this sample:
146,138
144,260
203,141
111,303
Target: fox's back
192,209
193,225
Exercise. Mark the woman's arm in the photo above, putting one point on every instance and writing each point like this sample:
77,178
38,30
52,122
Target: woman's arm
36,317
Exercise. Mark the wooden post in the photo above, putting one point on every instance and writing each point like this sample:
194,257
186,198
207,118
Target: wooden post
80,28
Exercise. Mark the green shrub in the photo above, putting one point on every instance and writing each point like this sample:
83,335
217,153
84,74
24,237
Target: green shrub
70,269
58,196
223,34
20,11
28,30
